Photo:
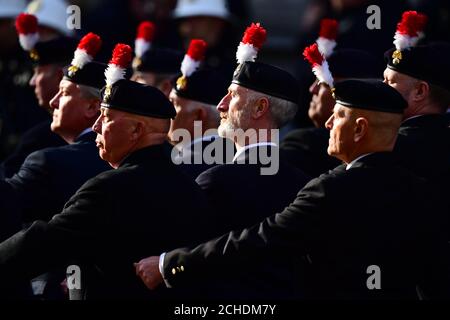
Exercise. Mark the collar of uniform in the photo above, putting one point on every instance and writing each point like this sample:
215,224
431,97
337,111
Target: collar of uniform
375,158
143,155
425,120
241,152
86,135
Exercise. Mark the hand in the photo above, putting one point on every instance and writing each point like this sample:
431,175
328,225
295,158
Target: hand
148,270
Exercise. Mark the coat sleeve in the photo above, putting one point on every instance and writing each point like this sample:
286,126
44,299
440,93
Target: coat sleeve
292,230
72,234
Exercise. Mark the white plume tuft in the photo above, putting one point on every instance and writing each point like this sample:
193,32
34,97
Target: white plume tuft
141,46
246,52
189,65
326,46
322,72
80,58
28,41
113,74
403,41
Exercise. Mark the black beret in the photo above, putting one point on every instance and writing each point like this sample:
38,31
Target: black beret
159,60
369,94
205,85
136,98
354,63
267,79
56,51
92,74
430,63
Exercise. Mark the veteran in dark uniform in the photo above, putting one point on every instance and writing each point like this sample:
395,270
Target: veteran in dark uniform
367,214
257,181
49,177
421,76
196,104
306,148
49,57
121,215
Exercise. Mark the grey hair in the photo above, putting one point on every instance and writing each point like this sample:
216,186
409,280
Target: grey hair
281,110
89,92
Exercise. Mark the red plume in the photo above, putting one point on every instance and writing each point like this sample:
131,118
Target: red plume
197,49
255,35
411,23
90,43
313,55
122,55
328,29
26,23
146,31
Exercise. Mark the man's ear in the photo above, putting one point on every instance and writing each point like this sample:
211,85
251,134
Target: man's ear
361,128
138,130
422,91
93,109
260,108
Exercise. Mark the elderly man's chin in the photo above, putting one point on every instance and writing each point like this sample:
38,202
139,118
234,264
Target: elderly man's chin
225,130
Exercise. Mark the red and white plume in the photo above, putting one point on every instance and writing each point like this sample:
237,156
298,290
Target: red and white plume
319,64
193,57
144,37
87,49
253,39
409,29
118,64
327,36
27,28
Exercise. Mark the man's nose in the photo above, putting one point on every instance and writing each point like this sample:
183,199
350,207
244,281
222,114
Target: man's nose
329,123
223,104
96,126
54,103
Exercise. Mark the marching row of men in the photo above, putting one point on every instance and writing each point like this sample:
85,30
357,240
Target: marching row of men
366,187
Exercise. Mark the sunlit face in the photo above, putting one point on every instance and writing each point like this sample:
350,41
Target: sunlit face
114,131
321,105
234,111
403,84
45,81
341,126
186,115
68,107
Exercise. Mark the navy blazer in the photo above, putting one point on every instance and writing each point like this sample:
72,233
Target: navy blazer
49,177
344,221
36,138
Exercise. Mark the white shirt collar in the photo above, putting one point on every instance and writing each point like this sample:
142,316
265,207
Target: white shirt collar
353,162
253,145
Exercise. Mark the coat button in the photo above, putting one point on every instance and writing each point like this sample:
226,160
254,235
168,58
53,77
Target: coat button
182,268
174,271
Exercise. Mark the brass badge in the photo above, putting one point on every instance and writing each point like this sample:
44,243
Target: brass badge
396,57
332,93
72,70
181,83
34,55
136,62
107,94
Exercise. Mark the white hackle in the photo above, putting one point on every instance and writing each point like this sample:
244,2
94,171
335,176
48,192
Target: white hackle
141,46
80,58
113,74
246,52
326,46
189,65
403,41
322,72
28,41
